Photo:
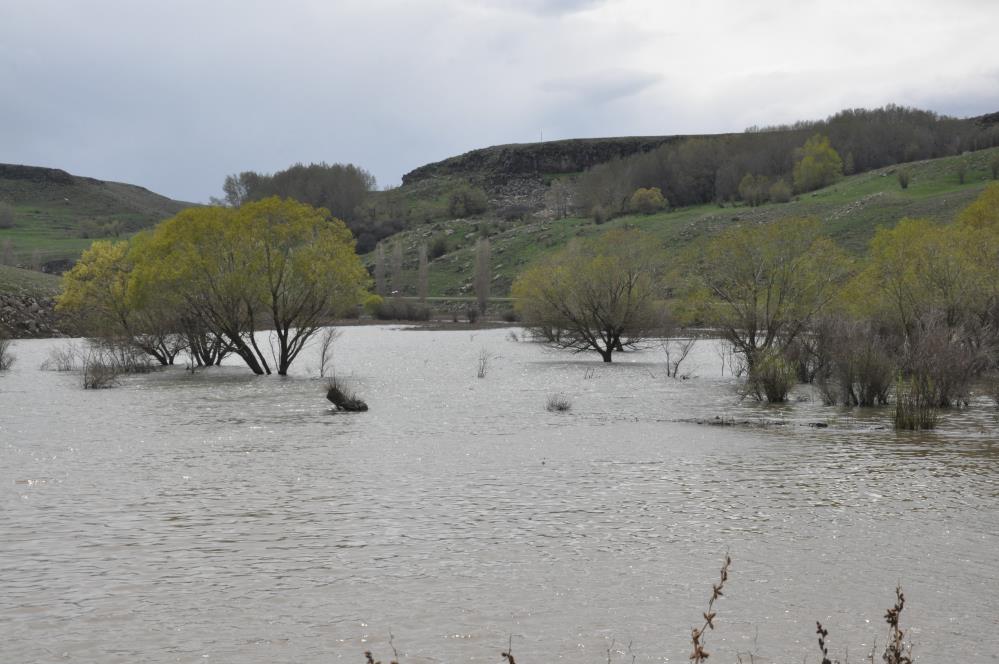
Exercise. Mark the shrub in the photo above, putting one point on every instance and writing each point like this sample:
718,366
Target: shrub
63,358
903,177
6,358
780,191
98,374
771,377
914,407
944,359
373,303
467,201
510,316
961,170
472,315
861,366
994,167
341,395
647,200
401,310
599,214
558,403
437,248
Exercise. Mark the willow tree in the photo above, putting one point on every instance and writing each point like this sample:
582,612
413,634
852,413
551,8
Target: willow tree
99,293
762,285
274,263
597,295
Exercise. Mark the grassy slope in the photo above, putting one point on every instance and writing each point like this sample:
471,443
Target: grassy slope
850,211
49,215
27,282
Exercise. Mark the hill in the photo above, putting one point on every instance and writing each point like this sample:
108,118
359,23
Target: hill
850,211
57,215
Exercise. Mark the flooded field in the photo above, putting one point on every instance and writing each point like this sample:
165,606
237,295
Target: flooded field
232,518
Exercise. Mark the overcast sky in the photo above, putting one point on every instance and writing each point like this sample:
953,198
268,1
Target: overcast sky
173,95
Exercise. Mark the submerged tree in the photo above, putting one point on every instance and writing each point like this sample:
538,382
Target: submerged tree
597,295
763,285
482,273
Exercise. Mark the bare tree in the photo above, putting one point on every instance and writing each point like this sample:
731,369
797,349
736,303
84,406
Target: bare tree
326,339
380,270
6,215
483,273
7,252
396,266
423,275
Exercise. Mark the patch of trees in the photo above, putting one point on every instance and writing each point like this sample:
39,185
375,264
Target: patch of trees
342,189
206,280
916,321
808,155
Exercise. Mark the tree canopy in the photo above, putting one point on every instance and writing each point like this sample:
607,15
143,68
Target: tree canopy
601,294
273,263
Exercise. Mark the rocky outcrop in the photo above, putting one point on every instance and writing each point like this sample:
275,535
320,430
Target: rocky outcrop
27,316
502,162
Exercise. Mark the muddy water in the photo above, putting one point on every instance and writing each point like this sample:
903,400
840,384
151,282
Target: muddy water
230,518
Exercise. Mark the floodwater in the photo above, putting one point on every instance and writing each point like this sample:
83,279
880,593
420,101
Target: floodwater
231,518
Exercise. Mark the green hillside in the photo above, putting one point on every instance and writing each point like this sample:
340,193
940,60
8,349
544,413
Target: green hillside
57,215
851,211
28,282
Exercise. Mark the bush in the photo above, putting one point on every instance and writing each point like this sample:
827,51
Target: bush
63,358
861,366
771,377
558,403
467,201
98,374
903,177
914,408
647,200
6,358
401,310
943,360
472,315
373,303
994,167
961,170
510,316
341,395
780,191
599,214
438,247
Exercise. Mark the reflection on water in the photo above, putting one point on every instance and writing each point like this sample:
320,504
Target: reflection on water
229,517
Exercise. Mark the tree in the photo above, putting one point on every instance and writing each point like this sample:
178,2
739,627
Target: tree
762,285
422,275
380,287
780,191
961,169
6,215
483,273
558,196
816,165
903,178
272,263
600,294
754,189
647,200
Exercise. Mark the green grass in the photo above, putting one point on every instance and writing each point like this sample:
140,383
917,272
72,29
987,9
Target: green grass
28,282
57,220
850,212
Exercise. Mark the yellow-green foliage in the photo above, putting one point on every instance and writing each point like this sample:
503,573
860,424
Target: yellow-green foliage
647,200
96,289
599,294
919,267
274,262
372,303
763,284
816,165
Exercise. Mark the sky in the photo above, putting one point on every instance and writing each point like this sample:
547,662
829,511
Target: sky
174,95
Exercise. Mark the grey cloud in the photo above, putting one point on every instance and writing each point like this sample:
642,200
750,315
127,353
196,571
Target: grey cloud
602,87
